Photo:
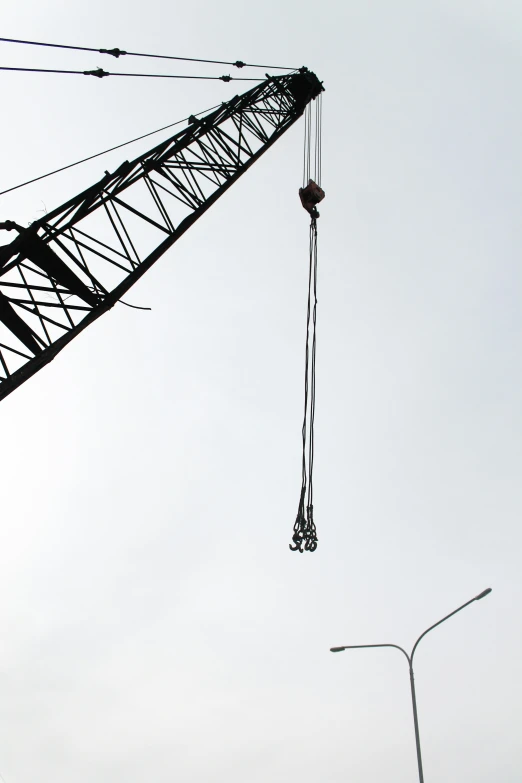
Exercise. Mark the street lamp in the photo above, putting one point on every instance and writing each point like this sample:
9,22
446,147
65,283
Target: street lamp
409,657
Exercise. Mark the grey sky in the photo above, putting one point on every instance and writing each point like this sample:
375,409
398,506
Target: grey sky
154,623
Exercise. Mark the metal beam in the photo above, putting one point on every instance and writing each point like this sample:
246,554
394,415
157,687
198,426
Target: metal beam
71,266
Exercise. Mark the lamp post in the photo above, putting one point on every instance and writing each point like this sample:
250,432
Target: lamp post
409,658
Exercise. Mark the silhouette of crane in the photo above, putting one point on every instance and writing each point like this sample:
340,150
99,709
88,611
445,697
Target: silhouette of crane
72,265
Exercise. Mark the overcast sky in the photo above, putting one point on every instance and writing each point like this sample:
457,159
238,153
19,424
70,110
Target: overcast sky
154,624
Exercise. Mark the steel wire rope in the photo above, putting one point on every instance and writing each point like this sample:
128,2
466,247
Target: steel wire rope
311,440
115,52
307,144
98,154
305,535
100,74
300,522
318,138
316,129
306,386
310,530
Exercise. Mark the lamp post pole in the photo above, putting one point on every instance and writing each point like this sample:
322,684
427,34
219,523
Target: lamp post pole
409,658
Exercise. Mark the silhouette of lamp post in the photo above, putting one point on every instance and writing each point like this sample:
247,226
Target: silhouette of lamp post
409,658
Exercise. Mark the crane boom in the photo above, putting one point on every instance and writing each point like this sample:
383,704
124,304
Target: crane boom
72,265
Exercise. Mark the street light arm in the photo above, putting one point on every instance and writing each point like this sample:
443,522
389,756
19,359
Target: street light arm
409,658
476,598
362,646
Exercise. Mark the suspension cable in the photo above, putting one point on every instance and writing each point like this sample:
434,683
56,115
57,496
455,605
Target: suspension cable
115,52
305,534
311,440
99,154
100,73
318,138
307,144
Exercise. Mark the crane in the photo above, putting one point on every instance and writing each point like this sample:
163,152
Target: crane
72,265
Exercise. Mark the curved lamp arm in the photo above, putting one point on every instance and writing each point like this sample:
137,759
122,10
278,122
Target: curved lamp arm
483,594
409,658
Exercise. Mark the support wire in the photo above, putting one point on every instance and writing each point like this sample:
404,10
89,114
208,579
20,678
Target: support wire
98,154
100,74
115,52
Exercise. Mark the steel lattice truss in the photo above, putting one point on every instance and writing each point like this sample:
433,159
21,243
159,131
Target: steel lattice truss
75,263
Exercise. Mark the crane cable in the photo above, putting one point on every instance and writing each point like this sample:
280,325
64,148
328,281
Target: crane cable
115,52
305,534
98,154
100,73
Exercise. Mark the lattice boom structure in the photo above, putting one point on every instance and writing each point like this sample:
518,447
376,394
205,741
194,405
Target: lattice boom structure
75,263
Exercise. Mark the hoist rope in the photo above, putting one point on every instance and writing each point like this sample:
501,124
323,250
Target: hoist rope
115,52
305,534
100,73
318,137
307,143
98,154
